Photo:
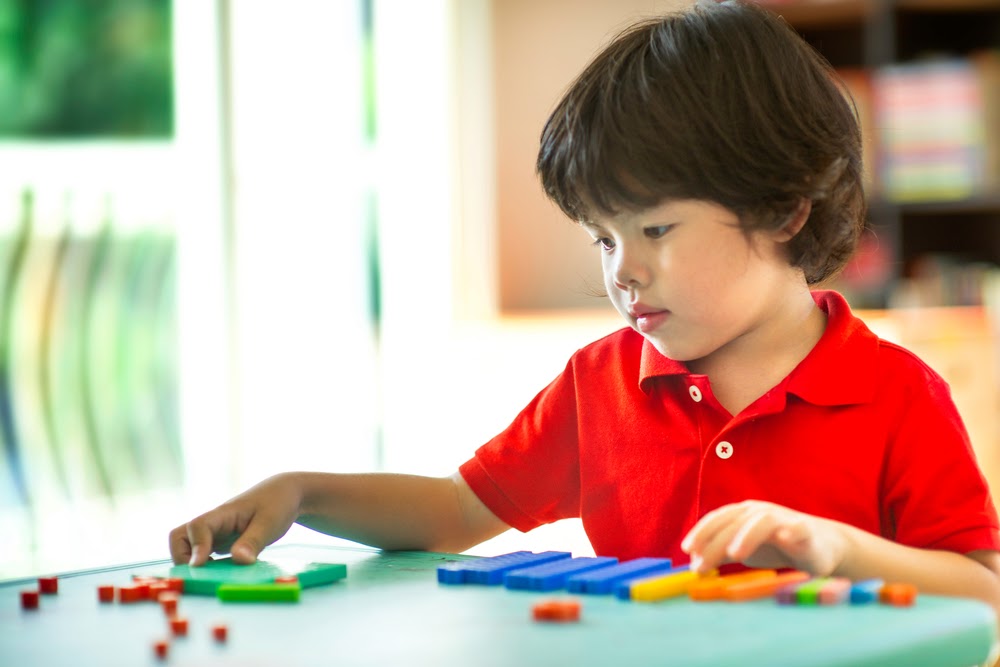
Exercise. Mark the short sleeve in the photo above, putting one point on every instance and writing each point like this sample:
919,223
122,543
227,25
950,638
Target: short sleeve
529,474
935,495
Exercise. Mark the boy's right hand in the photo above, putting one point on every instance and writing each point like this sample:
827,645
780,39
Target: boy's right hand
242,526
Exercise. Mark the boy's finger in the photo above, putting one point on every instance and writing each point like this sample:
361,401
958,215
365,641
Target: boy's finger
262,531
199,536
180,548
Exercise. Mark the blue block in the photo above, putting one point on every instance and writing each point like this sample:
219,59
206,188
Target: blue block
490,571
623,589
865,592
604,580
553,576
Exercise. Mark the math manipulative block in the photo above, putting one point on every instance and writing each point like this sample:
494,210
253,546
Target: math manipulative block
604,580
552,576
713,588
670,584
259,592
557,611
761,588
206,579
490,571
866,591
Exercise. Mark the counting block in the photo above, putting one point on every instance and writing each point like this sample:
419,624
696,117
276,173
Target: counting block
552,576
671,584
259,592
48,585
490,571
206,579
604,580
760,588
559,611
835,591
808,593
713,588
898,594
865,592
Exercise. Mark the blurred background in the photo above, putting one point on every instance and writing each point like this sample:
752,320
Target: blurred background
237,240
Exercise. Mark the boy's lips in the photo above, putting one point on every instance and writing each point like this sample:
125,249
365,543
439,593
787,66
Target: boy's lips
648,319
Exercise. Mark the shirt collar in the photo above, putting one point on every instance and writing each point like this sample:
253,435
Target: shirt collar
839,370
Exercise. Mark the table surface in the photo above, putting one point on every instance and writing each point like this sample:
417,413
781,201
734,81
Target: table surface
390,610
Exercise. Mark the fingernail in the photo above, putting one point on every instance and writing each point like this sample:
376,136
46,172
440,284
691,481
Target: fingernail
696,562
686,545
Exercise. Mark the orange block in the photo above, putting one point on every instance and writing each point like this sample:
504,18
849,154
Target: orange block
161,648
129,594
168,601
179,626
762,587
106,593
898,594
714,587
220,632
556,610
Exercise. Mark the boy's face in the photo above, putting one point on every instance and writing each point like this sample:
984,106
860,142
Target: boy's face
691,281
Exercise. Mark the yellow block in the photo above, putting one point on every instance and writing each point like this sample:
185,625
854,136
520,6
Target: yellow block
666,586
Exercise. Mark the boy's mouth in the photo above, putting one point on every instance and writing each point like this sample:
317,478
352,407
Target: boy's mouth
648,319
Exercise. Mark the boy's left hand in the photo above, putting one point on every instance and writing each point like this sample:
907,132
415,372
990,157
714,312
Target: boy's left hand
762,534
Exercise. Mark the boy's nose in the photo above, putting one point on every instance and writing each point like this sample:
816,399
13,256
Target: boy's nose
629,270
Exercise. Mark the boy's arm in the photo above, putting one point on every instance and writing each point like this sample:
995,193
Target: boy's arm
761,534
383,510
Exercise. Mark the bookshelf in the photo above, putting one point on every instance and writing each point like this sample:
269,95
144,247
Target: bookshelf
925,75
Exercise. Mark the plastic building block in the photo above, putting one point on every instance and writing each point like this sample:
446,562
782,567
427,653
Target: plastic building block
835,591
866,592
48,585
29,599
808,593
671,584
158,588
714,587
161,648
762,588
552,576
490,571
604,580
788,594
206,579
290,579
559,611
259,592
898,594
169,603
179,626
106,593
220,633
175,584
129,594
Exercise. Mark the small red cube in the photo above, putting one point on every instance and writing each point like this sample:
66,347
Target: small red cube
106,593
29,599
161,648
179,626
48,585
220,632
169,603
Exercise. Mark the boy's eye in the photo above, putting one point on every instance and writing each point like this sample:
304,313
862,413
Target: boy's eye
605,243
657,231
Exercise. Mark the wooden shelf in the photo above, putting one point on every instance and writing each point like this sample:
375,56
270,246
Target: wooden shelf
821,13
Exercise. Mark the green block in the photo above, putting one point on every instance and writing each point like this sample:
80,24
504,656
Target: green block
808,593
259,592
206,579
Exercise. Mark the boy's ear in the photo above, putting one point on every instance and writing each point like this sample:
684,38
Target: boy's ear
796,221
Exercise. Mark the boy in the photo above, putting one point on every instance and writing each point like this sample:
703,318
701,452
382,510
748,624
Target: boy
741,417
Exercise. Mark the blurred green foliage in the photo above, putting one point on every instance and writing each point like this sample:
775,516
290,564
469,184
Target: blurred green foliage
86,69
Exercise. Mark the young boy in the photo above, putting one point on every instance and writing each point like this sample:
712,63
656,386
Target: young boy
741,417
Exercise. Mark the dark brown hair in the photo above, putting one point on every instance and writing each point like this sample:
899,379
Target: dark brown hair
722,102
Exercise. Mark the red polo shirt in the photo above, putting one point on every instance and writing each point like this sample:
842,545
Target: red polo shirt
861,431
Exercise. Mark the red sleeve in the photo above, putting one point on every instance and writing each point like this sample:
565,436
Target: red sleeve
935,495
529,474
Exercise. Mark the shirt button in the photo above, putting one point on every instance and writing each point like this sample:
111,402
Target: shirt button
695,393
724,449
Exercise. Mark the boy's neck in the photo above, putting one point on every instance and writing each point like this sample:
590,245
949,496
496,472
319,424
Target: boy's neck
746,369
